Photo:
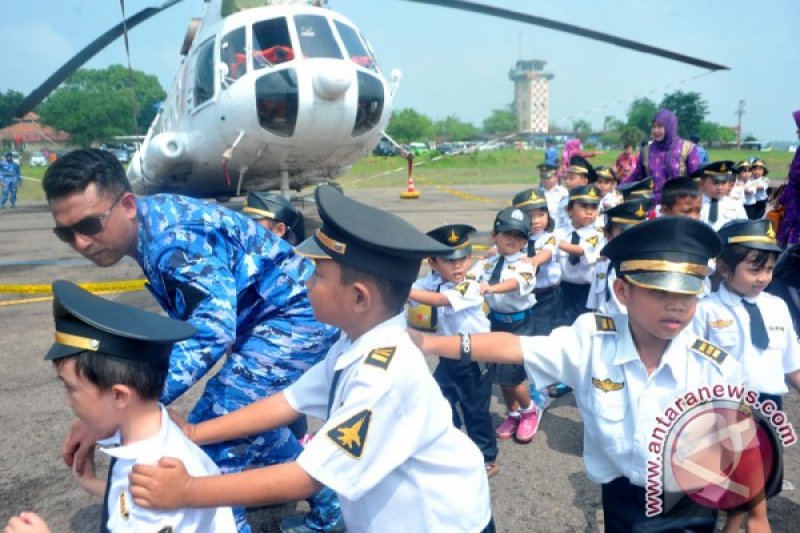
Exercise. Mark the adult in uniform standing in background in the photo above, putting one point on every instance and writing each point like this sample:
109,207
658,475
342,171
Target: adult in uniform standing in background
239,285
11,178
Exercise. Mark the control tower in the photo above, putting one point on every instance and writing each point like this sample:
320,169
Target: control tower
531,95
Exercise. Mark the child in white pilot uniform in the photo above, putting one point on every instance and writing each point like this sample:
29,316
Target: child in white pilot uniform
453,293
388,447
579,248
579,174
717,207
141,342
625,369
755,327
507,283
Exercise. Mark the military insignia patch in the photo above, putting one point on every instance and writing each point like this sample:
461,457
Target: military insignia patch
511,268
462,288
351,435
488,266
606,385
713,352
604,323
770,232
470,277
551,241
166,529
527,276
124,512
719,324
593,240
380,357
601,275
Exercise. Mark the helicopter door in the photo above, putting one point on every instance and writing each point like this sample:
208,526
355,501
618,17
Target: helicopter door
204,82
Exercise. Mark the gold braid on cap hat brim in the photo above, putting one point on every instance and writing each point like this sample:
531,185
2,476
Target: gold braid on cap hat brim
658,265
752,238
76,341
261,212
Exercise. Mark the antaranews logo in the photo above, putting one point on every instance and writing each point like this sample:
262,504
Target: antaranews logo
718,445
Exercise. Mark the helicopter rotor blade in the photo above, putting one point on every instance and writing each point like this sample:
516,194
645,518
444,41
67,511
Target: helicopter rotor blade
42,91
571,28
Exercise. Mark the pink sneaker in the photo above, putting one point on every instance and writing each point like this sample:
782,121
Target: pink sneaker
528,425
507,429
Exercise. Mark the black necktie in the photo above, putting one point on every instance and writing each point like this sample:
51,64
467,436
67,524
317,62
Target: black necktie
758,331
531,248
575,259
608,281
435,310
105,516
334,382
713,210
498,269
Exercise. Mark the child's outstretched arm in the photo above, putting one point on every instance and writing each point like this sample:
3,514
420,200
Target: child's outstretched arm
487,347
436,299
169,486
268,413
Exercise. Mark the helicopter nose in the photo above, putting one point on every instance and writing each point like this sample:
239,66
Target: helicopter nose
332,80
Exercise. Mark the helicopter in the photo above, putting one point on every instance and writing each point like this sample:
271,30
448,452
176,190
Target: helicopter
274,94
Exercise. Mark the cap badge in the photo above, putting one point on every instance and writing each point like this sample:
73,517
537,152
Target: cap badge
534,196
723,167
453,238
592,193
770,231
640,212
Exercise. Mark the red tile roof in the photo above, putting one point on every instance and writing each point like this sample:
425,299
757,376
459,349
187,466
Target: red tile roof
30,129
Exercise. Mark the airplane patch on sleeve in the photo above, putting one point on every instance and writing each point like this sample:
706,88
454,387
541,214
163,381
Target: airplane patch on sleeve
462,288
527,276
380,357
592,240
351,435
712,351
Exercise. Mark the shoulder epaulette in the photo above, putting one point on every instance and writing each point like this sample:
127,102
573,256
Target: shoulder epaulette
712,351
380,357
471,277
604,323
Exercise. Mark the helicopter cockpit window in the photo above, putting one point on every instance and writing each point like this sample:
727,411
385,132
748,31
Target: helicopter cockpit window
370,103
355,48
271,43
232,53
277,101
204,73
316,37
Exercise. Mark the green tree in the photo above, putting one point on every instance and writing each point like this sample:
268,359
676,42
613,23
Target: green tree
631,135
711,132
640,114
407,125
95,104
612,123
501,121
689,108
454,129
582,128
9,101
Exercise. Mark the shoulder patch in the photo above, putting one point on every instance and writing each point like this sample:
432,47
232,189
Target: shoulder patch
527,276
351,435
166,529
380,357
604,323
593,240
551,240
462,288
712,351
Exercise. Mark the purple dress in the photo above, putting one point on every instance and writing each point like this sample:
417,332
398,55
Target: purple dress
664,160
789,230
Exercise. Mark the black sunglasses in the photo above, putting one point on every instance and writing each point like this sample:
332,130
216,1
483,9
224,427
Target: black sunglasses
88,226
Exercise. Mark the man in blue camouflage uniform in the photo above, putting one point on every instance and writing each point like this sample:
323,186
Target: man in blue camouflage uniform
11,180
240,286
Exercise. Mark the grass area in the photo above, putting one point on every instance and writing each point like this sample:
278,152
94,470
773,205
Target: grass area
501,166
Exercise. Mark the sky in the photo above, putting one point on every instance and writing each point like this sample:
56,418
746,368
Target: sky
457,63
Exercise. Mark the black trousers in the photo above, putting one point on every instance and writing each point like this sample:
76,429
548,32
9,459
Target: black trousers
573,298
624,508
468,388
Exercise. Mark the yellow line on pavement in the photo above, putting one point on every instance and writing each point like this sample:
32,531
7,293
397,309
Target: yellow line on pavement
95,287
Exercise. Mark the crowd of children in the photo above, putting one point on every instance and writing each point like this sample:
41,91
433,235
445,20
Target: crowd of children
589,286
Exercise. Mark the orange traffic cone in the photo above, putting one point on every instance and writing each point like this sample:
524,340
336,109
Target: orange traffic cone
410,191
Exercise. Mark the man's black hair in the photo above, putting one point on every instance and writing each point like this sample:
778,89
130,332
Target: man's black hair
678,188
145,376
394,293
78,169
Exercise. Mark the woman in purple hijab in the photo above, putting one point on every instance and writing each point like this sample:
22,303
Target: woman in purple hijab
789,229
667,156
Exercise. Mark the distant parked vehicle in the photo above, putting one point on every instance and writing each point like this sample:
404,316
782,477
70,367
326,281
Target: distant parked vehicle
37,160
385,148
122,155
419,148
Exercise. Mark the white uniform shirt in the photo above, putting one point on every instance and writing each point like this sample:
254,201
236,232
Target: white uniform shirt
592,241
723,320
561,218
514,301
727,209
601,293
389,448
549,273
124,515
617,400
465,312
554,197
744,192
